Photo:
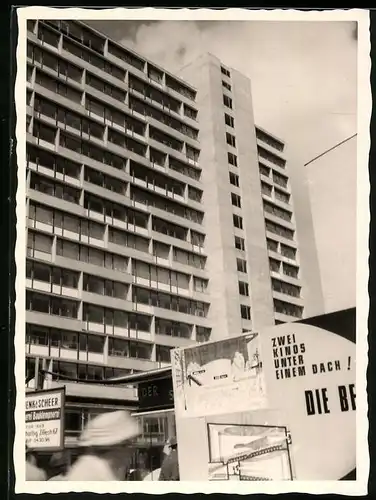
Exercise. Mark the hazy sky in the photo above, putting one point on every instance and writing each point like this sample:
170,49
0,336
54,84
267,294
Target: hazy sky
303,73
304,90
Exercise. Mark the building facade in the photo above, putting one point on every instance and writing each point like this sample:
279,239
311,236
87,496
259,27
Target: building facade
116,261
255,260
158,214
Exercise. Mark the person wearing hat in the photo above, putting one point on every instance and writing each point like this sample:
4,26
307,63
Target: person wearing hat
170,465
105,444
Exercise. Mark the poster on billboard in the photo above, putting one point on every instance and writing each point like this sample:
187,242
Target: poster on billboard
300,426
44,417
210,378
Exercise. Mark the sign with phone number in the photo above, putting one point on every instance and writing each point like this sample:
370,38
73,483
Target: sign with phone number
44,417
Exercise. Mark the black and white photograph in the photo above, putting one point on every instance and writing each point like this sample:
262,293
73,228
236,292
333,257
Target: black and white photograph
192,245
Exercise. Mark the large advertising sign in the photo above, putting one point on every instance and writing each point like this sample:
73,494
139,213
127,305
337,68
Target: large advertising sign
44,416
277,404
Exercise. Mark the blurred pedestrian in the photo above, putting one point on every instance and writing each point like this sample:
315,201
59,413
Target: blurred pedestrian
106,448
58,466
33,472
170,465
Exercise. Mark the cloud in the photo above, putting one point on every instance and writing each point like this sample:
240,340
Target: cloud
303,74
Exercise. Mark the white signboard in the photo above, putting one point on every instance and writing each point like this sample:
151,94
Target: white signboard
44,417
280,404
211,378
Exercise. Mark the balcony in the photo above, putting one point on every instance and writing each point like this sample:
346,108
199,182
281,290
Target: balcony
279,220
49,320
270,149
53,174
131,363
279,256
285,297
172,341
47,287
107,301
284,318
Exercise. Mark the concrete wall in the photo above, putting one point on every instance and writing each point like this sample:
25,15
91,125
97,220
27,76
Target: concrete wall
252,207
224,313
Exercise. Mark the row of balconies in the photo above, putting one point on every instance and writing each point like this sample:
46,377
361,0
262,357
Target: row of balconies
172,334
135,137
111,223
123,296
151,200
72,52
48,136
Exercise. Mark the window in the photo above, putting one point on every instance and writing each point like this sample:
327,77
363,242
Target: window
263,153
281,196
202,334
197,239
274,265
288,309
192,153
239,243
243,288
38,243
36,335
238,221
225,72
279,230
241,265
232,159
234,179
227,101
226,85
180,88
277,211
266,189
236,200
245,312
190,112
264,170
288,252
49,37
194,194
279,179
272,245
200,285
230,139
291,271
163,354
172,328
286,288
29,75
264,137
229,120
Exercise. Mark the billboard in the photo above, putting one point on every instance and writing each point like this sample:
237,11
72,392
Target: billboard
277,404
44,417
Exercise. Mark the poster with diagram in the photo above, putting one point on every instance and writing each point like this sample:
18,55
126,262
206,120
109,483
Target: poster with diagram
210,378
241,452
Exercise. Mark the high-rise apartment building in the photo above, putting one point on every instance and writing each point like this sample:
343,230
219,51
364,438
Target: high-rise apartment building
116,258
158,215
256,255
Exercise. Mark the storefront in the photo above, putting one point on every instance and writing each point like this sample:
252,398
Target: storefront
156,413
